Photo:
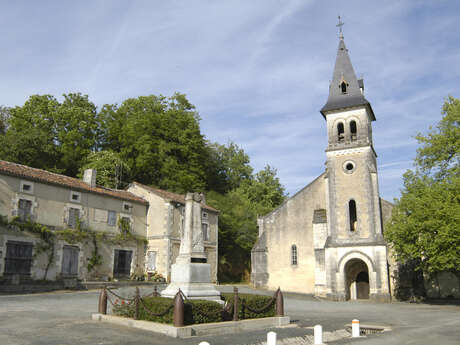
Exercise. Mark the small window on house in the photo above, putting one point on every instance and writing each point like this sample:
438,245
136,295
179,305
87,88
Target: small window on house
352,215
75,196
27,187
18,258
127,207
204,230
74,217
293,255
125,224
111,218
340,131
24,209
353,130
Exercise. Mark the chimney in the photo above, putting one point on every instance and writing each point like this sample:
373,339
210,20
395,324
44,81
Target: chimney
89,177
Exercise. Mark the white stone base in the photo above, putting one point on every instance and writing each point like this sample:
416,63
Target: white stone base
194,280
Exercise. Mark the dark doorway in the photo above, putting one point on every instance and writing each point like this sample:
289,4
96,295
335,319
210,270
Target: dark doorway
18,259
356,280
70,261
362,285
122,263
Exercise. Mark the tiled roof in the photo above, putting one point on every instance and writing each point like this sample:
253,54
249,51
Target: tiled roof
172,196
44,176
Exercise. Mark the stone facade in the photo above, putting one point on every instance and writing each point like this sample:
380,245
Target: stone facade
327,239
58,201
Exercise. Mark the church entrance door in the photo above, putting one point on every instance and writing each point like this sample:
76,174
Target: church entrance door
357,279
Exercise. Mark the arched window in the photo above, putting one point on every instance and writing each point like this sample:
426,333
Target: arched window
353,130
352,215
343,87
340,131
293,255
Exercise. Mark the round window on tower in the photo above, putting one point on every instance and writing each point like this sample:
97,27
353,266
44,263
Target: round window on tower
349,167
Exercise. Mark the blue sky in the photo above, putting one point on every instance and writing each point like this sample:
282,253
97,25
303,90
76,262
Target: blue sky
257,71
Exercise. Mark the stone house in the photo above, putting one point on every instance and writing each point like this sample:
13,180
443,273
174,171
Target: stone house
165,222
327,239
89,222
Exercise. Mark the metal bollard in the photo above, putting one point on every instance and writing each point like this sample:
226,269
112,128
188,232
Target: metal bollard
235,304
155,291
355,332
318,333
279,303
271,338
178,310
136,305
103,301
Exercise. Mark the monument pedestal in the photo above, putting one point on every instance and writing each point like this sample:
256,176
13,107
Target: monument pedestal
194,280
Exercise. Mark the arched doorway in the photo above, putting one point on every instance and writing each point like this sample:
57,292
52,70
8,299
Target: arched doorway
357,279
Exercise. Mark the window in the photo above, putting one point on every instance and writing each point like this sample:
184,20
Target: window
70,260
151,261
74,217
75,196
353,130
204,230
125,224
340,131
18,259
27,187
111,218
122,263
352,215
127,207
293,255
24,209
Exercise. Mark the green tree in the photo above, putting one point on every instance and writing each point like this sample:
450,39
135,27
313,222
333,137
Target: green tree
46,134
160,140
424,228
112,171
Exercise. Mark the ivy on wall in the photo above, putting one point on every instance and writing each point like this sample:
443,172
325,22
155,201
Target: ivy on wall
79,234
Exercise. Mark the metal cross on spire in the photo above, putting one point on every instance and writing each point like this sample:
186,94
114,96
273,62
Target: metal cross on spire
339,25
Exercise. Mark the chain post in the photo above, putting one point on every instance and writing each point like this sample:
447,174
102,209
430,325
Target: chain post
155,290
103,301
235,304
178,310
136,304
279,303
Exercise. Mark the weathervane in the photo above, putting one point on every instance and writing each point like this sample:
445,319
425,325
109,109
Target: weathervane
339,25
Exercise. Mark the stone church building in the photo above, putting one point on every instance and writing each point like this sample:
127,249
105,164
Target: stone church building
327,239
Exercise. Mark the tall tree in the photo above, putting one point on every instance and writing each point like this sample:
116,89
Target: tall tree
46,134
160,140
424,225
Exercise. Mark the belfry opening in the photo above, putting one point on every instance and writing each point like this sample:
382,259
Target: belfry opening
356,280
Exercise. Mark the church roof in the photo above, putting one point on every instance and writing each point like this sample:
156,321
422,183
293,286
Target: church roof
350,95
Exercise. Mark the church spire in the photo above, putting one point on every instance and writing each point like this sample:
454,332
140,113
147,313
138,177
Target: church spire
345,90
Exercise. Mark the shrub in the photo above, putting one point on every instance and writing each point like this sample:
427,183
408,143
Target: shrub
197,311
254,302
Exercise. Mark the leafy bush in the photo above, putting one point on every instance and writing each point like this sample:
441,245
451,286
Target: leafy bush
197,311
254,302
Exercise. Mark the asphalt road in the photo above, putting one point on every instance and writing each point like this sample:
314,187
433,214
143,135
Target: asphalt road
62,318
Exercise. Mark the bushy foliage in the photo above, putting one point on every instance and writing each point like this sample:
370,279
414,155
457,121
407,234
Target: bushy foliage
195,311
424,228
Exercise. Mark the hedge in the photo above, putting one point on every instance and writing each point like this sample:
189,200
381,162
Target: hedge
197,311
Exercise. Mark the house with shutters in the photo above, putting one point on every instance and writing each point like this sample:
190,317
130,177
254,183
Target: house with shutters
100,233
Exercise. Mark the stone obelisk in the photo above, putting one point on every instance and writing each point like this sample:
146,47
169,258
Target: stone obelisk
191,273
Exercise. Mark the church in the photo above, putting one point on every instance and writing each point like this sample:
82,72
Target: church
327,239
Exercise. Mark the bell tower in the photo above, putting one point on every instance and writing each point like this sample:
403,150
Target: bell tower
354,226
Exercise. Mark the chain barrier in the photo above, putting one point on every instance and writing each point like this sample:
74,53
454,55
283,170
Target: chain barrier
260,310
120,297
156,314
